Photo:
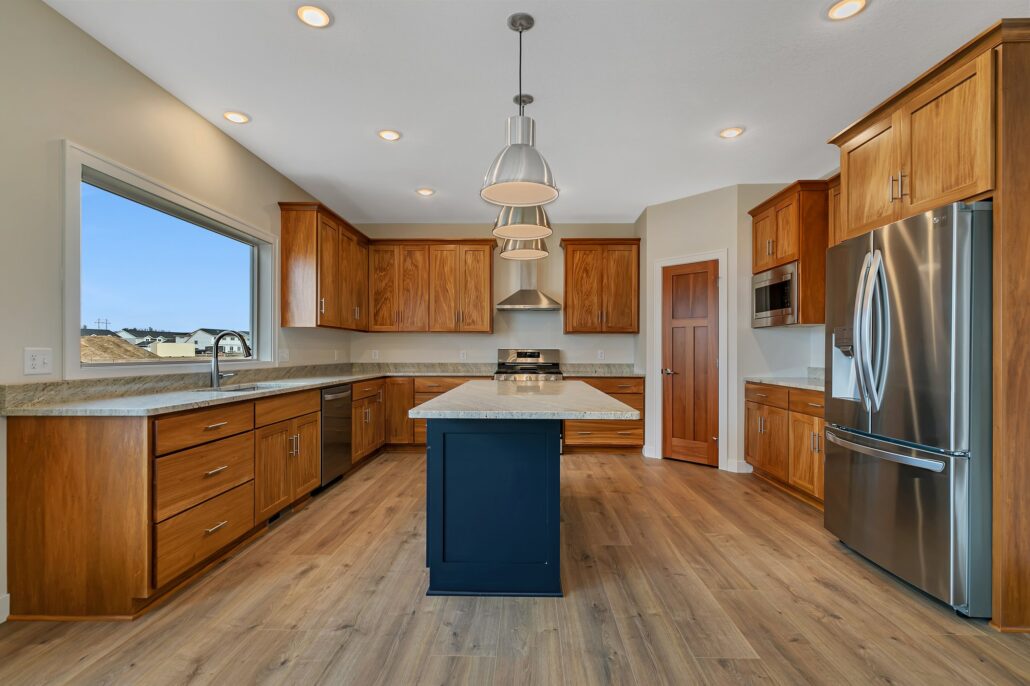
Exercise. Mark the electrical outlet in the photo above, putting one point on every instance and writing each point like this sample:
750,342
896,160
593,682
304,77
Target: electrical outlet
463,356
375,355
39,361
600,354
284,354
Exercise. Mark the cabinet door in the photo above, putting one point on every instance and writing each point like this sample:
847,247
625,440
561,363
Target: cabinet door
583,285
947,136
378,414
752,435
361,287
348,298
786,244
414,288
400,397
804,433
475,289
329,287
620,289
820,456
776,442
384,287
443,288
272,445
360,440
868,163
833,214
763,229
306,462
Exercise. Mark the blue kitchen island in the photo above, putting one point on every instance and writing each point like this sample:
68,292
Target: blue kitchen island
493,483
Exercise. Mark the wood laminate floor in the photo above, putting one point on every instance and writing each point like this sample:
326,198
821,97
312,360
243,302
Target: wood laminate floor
673,574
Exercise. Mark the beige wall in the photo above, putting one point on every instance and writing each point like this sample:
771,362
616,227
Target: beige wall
511,329
717,221
58,83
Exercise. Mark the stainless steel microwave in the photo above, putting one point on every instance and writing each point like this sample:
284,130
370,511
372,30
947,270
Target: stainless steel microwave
774,296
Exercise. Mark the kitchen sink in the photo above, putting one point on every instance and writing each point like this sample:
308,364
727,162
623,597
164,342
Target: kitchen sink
242,388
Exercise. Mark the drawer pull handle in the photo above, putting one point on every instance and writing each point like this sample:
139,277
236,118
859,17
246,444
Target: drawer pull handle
216,470
216,527
761,395
585,433
624,433
815,404
625,385
211,427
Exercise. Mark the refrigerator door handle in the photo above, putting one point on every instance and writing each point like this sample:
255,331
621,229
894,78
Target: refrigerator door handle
908,460
878,288
858,326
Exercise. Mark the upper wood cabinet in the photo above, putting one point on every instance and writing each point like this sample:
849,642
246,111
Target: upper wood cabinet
933,147
384,272
461,286
323,273
833,210
792,226
602,285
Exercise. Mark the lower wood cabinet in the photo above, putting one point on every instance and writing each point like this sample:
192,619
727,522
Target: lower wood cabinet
400,397
368,419
287,453
622,433
783,436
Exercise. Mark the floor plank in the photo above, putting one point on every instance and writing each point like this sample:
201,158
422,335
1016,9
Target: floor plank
673,573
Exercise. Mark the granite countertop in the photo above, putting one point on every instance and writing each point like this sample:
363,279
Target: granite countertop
524,400
807,383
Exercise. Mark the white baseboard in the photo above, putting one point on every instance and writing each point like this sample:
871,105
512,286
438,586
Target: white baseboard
738,466
649,451
5,606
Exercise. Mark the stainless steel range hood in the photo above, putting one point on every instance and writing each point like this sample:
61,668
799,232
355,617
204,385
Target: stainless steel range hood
529,297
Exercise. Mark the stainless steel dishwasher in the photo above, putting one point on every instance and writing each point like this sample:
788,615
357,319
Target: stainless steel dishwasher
336,432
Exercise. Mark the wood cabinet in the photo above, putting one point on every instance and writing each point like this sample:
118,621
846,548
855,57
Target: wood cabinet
602,285
323,271
833,210
287,462
368,419
934,147
400,397
425,388
783,437
622,433
792,226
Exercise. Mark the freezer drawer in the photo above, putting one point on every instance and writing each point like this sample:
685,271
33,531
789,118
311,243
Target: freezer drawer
905,509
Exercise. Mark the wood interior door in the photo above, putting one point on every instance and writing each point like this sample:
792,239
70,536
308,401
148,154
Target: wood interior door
329,285
584,276
868,163
690,349
763,228
306,463
787,244
272,490
805,467
400,397
475,291
443,288
384,288
620,289
947,139
414,288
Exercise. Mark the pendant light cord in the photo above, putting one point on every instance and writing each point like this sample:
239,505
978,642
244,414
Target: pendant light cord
522,105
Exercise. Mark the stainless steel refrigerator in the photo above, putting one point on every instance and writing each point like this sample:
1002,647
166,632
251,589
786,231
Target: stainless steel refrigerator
908,401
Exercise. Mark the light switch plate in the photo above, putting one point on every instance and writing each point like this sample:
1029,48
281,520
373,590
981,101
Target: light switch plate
39,360
600,354
462,355
375,355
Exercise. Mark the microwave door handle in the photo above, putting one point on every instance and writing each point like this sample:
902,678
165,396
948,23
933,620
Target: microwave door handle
857,328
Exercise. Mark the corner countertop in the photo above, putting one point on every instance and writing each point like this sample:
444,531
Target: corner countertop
804,382
524,400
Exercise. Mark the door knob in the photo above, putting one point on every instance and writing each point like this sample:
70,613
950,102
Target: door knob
668,372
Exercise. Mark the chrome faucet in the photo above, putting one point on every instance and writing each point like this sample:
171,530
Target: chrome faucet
217,376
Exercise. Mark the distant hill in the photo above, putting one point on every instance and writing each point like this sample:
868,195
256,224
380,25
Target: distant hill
111,349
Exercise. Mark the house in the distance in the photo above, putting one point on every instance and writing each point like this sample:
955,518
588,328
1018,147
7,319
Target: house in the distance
144,337
203,340
86,331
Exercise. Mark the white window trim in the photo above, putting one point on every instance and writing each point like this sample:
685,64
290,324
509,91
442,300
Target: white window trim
75,157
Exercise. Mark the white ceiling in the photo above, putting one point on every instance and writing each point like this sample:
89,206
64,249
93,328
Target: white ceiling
630,93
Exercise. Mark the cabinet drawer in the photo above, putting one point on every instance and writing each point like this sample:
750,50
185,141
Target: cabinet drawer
604,432
202,426
366,389
766,394
287,406
439,384
419,430
192,476
186,540
634,400
807,402
613,384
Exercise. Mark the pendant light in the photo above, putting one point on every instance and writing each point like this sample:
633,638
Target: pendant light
519,176
522,223
512,249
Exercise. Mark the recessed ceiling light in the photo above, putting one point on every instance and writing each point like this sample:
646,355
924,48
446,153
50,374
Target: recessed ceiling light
236,117
390,135
845,9
731,132
313,16
425,192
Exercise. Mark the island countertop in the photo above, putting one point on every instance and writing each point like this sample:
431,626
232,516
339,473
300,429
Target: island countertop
524,400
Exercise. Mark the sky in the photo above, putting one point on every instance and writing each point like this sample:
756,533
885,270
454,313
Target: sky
143,268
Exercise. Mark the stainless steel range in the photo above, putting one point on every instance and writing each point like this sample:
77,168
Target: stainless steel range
521,364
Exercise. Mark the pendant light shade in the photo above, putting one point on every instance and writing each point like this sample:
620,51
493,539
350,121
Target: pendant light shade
519,176
522,223
523,250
